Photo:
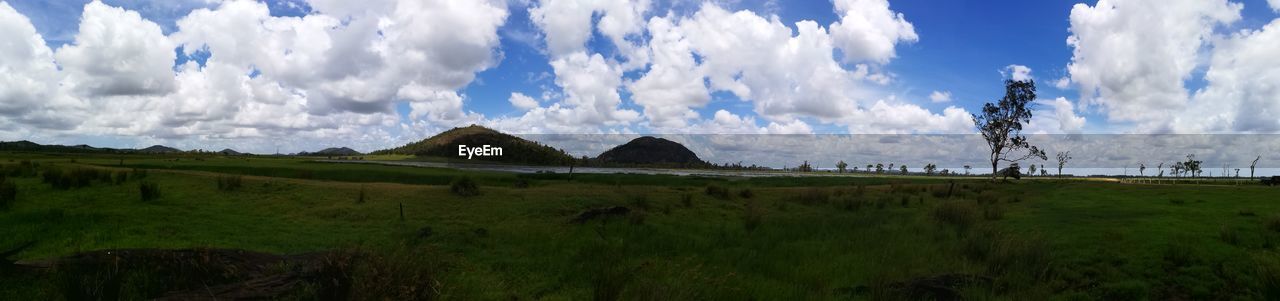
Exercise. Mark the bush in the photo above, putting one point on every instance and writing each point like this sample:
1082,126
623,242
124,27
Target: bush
464,186
8,193
746,193
229,183
717,191
149,191
958,214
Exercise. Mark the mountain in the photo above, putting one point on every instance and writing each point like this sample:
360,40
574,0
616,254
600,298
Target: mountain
28,146
230,152
514,149
650,151
159,149
333,151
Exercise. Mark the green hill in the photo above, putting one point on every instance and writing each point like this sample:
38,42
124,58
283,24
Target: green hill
514,149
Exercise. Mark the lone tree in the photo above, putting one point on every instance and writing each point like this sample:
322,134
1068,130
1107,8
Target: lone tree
966,169
1142,169
904,169
1063,157
841,166
1001,125
1253,166
930,168
1031,170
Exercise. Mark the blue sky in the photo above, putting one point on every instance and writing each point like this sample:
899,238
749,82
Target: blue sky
963,49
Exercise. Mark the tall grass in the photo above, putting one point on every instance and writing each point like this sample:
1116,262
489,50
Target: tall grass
960,214
8,193
230,182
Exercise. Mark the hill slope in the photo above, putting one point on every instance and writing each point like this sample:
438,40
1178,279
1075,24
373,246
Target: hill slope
650,151
514,149
159,149
333,151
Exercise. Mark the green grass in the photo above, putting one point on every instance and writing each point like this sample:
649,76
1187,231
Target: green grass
794,238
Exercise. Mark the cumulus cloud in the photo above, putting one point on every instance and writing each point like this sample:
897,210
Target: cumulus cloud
1132,57
1017,73
117,52
940,96
28,76
1243,91
869,31
1275,5
1056,116
568,24
674,82
523,102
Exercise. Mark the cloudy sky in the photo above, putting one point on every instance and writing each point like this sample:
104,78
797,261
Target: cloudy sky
302,75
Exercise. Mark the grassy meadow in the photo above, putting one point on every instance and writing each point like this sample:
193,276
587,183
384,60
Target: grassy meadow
684,238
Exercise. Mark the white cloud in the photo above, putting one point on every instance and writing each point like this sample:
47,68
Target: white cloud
1275,5
674,82
891,117
724,122
1243,91
567,25
1132,57
1062,83
117,52
28,77
1057,116
869,31
1017,73
591,85
523,102
940,96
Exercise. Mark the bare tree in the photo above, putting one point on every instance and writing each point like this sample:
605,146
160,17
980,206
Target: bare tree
1063,157
1142,169
1253,166
1161,169
1001,125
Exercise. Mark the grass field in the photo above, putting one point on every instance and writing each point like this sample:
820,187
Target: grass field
685,238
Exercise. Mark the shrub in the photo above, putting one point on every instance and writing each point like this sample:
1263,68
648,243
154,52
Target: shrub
8,193
229,183
958,214
940,192
464,186
746,193
717,191
149,191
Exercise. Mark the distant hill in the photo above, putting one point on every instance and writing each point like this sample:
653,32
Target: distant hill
514,149
333,151
159,149
650,151
28,146
230,152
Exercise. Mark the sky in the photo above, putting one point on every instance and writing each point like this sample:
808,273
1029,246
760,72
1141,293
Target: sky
296,75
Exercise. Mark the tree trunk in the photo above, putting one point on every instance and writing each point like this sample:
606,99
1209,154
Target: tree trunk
994,171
